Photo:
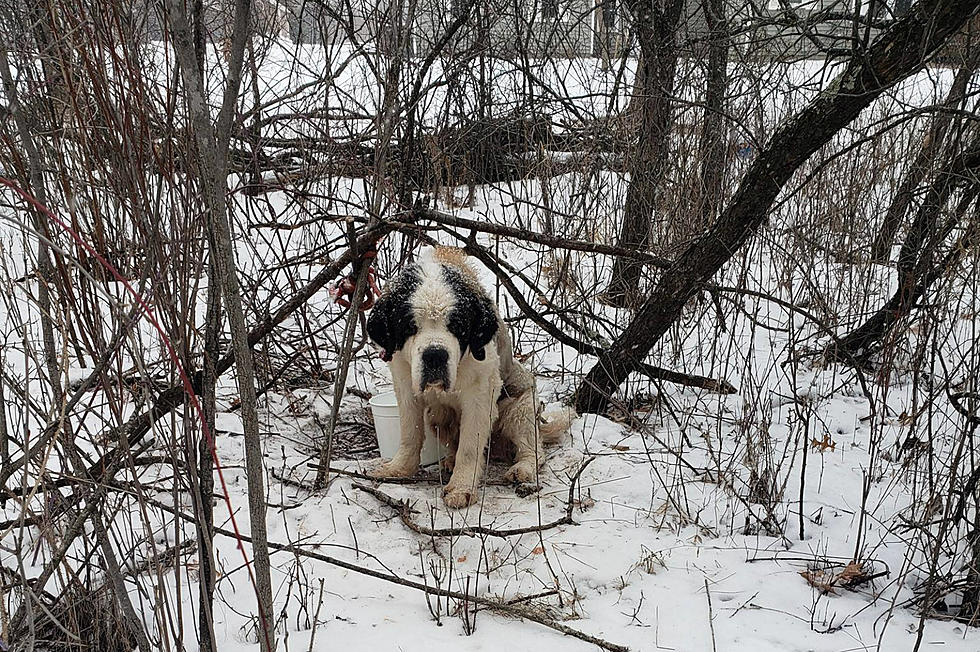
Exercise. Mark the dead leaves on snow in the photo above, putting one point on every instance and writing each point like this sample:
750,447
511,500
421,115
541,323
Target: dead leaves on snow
823,445
833,576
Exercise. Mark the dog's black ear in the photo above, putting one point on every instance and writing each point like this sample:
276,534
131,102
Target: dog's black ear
483,327
391,321
472,320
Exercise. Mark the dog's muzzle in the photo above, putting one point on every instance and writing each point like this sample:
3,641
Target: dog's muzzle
435,368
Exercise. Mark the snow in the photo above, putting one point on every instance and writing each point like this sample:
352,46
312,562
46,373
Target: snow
632,569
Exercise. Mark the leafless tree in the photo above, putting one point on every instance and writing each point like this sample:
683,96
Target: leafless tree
188,187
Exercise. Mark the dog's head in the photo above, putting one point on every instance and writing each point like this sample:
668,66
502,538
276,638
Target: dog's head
434,313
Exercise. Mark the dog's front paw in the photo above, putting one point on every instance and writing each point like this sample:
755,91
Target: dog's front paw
394,469
521,473
458,498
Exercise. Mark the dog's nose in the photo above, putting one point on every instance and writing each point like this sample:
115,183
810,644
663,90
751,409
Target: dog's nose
435,361
435,357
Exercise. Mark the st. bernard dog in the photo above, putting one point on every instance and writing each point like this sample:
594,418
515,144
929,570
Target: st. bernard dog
453,366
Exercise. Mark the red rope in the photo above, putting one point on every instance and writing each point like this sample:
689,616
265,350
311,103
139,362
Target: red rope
185,379
346,286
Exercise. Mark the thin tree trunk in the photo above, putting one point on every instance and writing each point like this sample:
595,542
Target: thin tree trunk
220,230
255,186
656,30
44,266
212,150
896,54
714,141
209,379
931,146
205,465
340,382
400,18
605,26
4,434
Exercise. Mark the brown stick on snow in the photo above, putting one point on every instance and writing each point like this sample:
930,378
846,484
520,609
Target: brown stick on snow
895,55
404,511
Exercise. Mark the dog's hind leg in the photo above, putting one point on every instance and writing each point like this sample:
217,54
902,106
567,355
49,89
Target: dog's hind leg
517,422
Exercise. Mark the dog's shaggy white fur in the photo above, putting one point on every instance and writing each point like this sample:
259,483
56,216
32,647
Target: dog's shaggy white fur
455,375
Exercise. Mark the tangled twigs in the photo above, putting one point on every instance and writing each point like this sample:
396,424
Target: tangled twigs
418,478
497,605
504,276
955,400
405,510
138,425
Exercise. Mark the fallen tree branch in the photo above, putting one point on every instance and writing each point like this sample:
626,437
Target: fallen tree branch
896,54
656,373
447,219
404,510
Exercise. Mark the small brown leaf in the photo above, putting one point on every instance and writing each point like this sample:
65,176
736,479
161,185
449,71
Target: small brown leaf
850,572
584,504
850,576
853,575
824,444
819,579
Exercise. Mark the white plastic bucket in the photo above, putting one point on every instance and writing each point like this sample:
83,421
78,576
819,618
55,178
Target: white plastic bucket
384,407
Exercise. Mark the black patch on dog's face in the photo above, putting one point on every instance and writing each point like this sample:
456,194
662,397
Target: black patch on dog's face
472,320
391,322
